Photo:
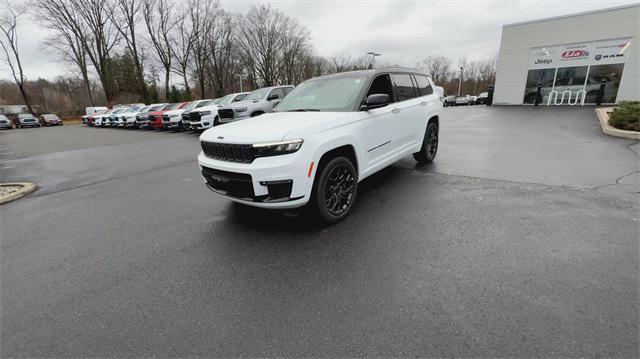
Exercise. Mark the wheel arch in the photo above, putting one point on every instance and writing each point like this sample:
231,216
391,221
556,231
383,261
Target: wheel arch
346,150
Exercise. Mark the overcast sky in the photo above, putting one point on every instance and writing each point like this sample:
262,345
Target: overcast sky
402,31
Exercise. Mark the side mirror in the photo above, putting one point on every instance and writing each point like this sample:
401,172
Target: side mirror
273,97
375,100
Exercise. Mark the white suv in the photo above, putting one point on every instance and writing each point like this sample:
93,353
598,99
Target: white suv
207,116
330,133
254,104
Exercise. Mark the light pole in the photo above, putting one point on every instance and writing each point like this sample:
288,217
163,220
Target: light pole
460,81
241,77
373,59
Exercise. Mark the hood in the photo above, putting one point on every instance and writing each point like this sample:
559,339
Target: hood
277,126
174,112
207,108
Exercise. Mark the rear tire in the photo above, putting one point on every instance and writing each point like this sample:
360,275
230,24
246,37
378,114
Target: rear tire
334,190
429,147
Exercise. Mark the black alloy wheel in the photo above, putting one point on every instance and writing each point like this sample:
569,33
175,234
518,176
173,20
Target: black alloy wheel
335,190
429,145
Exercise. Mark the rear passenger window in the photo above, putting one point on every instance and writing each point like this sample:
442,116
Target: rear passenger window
404,86
423,85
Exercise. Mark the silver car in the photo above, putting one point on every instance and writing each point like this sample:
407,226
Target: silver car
256,103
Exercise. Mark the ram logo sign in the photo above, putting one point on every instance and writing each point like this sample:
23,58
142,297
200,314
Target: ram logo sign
574,54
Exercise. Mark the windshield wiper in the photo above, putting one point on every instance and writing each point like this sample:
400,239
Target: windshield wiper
304,110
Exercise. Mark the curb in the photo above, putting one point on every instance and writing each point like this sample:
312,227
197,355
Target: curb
603,116
26,189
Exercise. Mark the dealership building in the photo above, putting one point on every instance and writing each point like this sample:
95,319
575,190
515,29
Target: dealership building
571,58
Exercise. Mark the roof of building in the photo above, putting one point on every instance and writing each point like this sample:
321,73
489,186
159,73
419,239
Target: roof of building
573,15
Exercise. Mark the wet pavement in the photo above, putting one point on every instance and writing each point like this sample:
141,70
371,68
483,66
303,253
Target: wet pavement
520,240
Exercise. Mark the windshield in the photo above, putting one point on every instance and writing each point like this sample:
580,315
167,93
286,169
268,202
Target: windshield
191,105
329,94
171,106
257,94
133,109
156,108
52,117
25,115
226,100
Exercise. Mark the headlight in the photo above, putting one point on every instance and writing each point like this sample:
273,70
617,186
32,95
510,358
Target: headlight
277,148
205,113
241,109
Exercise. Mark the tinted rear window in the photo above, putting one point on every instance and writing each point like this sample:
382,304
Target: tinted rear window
424,87
404,86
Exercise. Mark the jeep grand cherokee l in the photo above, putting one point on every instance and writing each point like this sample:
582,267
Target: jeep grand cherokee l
256,103
330,133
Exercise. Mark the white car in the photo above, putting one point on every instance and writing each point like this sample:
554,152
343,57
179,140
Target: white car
101,120
330,133
176,119
128,117
207,116
254,104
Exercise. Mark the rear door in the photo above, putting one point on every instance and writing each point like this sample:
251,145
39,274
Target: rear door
408,108
428,101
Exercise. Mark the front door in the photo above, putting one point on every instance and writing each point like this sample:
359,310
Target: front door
382,126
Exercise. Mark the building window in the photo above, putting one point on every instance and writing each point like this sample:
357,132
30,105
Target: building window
610,75
544,77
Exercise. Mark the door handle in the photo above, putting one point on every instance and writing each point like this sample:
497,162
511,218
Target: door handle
395,110
423,103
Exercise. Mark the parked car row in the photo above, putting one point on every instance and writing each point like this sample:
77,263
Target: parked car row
28,120
194,115
465,100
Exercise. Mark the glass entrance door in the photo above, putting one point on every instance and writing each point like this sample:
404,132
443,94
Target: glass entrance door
610,75
570,82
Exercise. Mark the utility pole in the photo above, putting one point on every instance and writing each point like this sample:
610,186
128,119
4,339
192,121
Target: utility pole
460,81
241,77
373,58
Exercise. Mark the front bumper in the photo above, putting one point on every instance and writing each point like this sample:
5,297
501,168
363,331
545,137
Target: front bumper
269,182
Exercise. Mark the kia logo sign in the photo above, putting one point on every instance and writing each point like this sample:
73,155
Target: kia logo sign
572,54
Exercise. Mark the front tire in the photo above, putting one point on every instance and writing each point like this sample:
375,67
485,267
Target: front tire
334,190
429,147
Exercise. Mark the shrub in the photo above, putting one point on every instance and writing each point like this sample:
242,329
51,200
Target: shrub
626,116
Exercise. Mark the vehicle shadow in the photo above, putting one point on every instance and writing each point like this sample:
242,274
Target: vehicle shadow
302,220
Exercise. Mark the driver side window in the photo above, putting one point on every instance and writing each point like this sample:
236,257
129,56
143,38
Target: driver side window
277,93
381,85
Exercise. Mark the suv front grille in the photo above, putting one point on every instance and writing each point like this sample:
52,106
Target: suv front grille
228,152
194,117
226,113
165,118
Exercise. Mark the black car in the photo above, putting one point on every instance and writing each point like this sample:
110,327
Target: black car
482,99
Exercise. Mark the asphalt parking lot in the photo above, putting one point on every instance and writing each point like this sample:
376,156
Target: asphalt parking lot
522,239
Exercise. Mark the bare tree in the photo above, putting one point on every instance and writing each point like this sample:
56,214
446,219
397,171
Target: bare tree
61,17
202,15
125,16
182,45
224,62
437,67
98,36
265,35
340,62
9,43
160,22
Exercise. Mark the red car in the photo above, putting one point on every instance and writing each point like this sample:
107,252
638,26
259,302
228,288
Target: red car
155,118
